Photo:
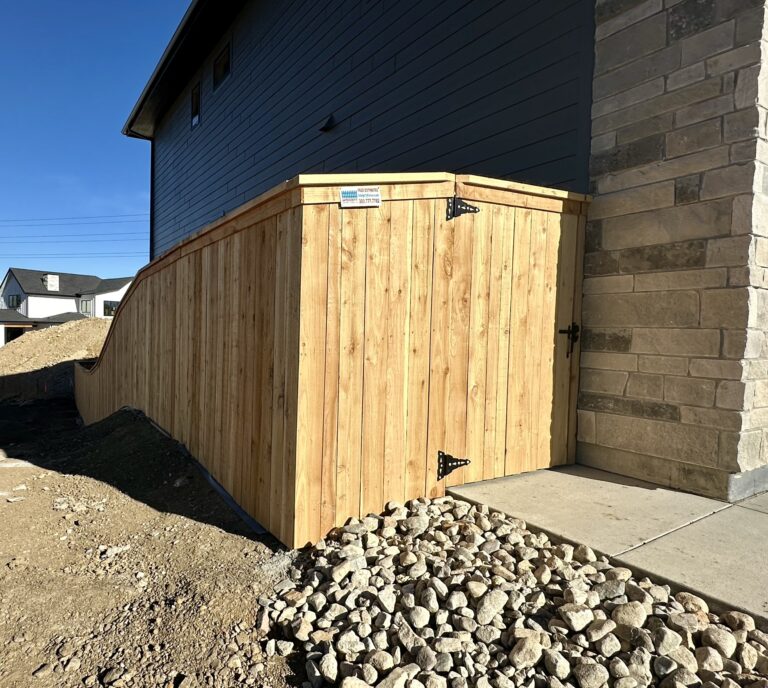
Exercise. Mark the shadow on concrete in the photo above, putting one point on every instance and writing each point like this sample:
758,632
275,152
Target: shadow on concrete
125,451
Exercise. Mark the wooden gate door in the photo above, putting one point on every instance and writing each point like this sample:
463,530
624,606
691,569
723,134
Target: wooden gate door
501,378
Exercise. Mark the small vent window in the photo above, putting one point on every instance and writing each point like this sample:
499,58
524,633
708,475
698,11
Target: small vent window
195,106
222,66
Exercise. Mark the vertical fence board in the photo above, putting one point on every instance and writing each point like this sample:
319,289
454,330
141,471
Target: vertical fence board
315,359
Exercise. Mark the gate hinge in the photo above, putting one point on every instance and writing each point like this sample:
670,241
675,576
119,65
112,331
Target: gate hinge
458,206
448,464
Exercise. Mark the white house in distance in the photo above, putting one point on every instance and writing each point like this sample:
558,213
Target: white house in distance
32,299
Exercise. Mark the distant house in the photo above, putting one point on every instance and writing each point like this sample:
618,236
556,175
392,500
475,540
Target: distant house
33,298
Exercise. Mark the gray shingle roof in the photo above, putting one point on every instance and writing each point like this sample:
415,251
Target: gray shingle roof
31,281
8,316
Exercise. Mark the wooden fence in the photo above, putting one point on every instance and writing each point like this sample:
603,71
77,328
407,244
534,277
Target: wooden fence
315,358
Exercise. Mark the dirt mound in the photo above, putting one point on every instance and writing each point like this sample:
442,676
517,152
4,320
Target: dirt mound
47,347
119,565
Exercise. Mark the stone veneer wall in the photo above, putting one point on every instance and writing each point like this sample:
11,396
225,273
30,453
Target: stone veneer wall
674,379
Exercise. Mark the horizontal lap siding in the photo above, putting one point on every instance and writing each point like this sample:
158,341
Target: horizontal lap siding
493,88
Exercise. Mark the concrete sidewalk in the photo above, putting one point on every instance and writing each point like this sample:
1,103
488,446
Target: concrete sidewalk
716,549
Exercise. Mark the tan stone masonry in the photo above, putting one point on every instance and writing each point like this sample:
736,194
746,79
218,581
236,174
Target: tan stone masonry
674,380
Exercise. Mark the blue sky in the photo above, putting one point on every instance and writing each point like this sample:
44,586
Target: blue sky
71,72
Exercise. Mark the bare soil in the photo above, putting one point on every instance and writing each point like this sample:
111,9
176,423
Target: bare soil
119,564
79,339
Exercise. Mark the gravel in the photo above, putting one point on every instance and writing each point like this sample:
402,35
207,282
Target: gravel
443,594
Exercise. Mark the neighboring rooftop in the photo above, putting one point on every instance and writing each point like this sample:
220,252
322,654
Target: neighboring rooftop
9,316
70,284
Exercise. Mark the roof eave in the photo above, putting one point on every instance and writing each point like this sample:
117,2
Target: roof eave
129,129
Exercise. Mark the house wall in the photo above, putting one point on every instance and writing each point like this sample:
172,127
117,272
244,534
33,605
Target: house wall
110,296
493,88
43,306
674,354
11,287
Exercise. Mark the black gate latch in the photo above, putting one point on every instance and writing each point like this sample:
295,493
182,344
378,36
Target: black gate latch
573,336
448,464
457,206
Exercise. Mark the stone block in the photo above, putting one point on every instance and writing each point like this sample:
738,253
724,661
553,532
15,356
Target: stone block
728,181
602,143
676,342
699,46
612,284
728,9
744,151
681,279
687,189
760,394
725,308
730,395
625,99
603,381
742,56
652,125
608,361
721,370
585,424
690,17
657,438
755,419
617,339
689,390
631,16
711,418
740,451
637,72
665,365
695,221
606,10
694,138
645,386
665,169
742,343
730,252
741,222
741,125
636,200
593,241
687,75
706,109
649,468
679,256
639,408
631,43
628,155
668,102
660,309
749,25
745,94
601,263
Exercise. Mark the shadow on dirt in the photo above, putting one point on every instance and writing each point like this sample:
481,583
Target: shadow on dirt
125,451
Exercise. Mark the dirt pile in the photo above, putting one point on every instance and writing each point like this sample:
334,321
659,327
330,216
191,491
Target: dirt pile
119,565
47,347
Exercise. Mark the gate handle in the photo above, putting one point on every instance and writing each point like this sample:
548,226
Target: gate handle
573,336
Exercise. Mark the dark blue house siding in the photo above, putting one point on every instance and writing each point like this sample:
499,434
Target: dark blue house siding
501,89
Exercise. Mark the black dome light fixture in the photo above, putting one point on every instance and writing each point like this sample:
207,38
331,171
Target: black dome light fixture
329,124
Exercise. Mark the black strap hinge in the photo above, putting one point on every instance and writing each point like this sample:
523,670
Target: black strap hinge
457,206
448,464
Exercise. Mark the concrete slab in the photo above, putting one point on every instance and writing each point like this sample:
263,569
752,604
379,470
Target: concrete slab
611,513
758,503
723,557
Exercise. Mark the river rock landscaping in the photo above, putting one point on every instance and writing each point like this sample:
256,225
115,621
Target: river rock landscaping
444,594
